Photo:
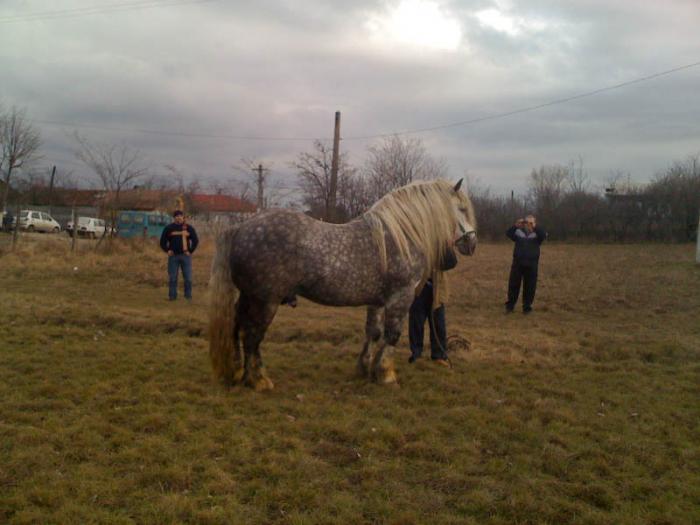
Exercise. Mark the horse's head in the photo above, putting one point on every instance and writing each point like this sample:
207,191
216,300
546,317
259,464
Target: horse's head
465,235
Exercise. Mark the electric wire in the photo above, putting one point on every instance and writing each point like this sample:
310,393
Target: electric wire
95,10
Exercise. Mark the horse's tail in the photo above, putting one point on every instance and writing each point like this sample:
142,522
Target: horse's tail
224,350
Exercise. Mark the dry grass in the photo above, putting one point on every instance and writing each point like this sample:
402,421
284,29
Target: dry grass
585,412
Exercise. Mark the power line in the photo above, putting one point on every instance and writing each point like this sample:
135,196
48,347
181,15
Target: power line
528,108
477,120
170,133
94,10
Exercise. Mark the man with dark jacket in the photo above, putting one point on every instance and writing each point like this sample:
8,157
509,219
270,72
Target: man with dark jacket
429,305
179,240
527,237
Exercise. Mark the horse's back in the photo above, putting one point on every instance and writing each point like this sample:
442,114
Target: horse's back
281,252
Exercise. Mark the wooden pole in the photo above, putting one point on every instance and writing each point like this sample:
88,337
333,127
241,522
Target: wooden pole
261,202
334,171
53,174
697,250
75,230
16,232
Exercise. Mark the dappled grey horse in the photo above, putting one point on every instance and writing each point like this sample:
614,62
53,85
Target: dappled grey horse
378,260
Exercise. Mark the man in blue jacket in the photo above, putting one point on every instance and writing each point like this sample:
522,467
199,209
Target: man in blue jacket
179,240
527,237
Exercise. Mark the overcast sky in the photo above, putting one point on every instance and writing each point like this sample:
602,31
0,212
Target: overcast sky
279,69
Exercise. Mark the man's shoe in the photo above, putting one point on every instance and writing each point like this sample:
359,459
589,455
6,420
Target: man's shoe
509,309
412,359
527,310
442,362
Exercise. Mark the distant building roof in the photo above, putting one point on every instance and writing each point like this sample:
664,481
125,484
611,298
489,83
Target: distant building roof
75,197
145,199
222,203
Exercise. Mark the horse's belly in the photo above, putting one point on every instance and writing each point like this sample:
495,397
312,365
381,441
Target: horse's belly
340,296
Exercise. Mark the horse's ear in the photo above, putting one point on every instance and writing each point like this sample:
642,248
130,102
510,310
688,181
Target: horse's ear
458,185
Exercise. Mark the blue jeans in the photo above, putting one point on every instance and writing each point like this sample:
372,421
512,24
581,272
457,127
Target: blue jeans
180,261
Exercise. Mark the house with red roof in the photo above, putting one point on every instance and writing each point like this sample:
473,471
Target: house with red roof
200,206
217,207
98,203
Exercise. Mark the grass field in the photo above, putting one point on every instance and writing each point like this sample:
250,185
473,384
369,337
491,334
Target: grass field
585,412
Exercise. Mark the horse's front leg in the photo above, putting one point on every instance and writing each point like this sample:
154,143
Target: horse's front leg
373,332
382,369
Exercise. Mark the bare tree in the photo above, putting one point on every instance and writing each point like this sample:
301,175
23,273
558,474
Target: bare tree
116,167
176,177
577,177
314,176
397,161
19,144
354,195
674,199
547,186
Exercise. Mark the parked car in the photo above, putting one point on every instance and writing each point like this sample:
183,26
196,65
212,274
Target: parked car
90,227
39,221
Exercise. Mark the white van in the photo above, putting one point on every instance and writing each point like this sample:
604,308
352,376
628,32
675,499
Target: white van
37,221
90,227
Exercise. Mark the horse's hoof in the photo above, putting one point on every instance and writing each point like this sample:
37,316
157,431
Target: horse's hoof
260,384
390,380
386,377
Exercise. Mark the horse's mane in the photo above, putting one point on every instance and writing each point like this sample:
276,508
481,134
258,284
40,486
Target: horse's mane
419,214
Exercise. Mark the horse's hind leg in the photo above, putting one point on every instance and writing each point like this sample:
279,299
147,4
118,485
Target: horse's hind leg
382,370
254,318
373,332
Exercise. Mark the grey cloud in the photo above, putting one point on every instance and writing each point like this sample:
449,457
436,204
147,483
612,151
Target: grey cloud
281,68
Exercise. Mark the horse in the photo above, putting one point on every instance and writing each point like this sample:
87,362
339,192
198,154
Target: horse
376,260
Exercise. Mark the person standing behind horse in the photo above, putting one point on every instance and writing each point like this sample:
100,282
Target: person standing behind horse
430,304
527,237
179,240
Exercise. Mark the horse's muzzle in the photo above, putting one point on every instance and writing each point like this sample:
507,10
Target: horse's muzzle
466,244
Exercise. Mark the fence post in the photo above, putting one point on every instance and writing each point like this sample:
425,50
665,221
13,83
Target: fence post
15,233
697,249
75,230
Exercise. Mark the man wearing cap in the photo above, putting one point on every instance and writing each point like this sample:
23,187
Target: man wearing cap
179,240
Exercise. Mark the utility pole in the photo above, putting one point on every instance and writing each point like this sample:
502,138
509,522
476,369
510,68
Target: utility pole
697,250
53,174
261,180
334,171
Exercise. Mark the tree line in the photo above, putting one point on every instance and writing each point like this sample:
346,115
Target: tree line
563,199
561,196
